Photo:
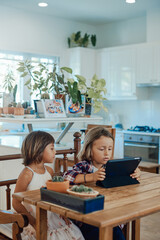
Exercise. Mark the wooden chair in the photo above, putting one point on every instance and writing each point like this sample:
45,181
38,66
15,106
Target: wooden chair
11,224
65,161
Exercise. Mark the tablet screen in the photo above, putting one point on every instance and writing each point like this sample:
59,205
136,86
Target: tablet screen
118,172
121,167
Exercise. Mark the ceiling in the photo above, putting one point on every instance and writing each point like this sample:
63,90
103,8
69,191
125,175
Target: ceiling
86,11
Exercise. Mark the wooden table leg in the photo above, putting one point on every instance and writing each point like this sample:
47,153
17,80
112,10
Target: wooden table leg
41,224
106,233
126,230
136,229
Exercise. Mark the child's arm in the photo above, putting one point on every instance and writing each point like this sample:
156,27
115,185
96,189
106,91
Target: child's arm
99,175
136,174
82,172
21,186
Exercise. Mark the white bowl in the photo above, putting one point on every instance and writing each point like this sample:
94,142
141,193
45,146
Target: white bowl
83,194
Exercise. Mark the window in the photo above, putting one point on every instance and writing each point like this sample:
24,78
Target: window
9,64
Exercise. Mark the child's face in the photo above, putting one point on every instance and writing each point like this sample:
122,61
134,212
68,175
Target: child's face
49,153
101,151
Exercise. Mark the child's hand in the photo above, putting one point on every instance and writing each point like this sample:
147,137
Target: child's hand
136,174
99,175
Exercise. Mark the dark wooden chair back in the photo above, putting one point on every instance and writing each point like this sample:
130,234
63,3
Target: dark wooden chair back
65,161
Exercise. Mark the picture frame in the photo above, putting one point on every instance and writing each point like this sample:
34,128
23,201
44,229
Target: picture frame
53,108
75,109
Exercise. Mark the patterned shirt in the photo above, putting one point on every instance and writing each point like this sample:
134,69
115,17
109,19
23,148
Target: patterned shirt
79,168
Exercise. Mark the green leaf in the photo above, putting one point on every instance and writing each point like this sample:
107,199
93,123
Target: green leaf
67,69
24,74
93,40
77,36
21,69
79,77
28,82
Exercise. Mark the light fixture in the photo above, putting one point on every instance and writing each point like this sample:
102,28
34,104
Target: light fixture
42,4
130,1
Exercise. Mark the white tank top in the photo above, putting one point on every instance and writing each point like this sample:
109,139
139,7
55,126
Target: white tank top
38,180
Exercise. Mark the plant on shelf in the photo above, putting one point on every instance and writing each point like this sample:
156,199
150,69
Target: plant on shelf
42,79
9,84
95,92
75,89
77,40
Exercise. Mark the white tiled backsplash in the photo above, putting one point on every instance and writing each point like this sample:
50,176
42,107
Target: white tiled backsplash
143,111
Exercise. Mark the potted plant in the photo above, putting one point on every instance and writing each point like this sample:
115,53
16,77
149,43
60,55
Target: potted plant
77,40
9,84
42,79
95,92
75,98
82,191
58,184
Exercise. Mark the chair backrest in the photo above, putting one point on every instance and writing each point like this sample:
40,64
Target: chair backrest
65,161
109,128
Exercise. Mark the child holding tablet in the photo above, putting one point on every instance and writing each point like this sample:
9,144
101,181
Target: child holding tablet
96,151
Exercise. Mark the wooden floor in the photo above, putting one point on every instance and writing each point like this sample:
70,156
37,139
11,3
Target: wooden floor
150,227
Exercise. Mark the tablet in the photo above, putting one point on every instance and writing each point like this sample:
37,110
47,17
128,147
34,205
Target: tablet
118,172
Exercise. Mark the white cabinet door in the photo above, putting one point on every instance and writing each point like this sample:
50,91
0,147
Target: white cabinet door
82,61
157,63
145,63
119,145
102,66
148,62
117,66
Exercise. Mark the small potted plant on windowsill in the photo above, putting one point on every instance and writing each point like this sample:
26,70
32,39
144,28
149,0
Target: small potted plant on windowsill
10,86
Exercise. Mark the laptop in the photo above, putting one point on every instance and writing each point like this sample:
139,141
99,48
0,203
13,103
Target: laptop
118,172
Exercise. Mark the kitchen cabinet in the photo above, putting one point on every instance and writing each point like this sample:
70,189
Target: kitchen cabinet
148,62
119,145
117,66
82,61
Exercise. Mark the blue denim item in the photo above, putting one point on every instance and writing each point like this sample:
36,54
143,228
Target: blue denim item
92,233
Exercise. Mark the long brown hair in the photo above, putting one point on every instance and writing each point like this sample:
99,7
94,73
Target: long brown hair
34,145
92,135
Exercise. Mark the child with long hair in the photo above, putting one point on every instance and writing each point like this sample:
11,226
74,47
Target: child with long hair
37,150
96,151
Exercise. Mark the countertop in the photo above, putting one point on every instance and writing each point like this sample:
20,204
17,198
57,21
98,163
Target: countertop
142,133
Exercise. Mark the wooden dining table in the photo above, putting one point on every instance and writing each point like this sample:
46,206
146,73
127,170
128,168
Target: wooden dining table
122,205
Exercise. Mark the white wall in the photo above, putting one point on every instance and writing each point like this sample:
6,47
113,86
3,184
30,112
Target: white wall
122,32
35,33
30,32
153,23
